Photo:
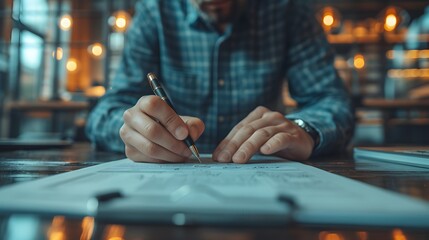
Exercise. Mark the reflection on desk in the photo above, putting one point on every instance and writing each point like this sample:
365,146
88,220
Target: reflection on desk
60,112
18,166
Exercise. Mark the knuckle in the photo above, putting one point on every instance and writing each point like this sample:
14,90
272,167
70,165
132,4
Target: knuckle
172,120
151,150
149,103
263,133
273,115
130,152
277,115
233,145
285,125
248,129
250,146
290,128
127,116
122,131
280,139
239,126
150,130
124,134
261,109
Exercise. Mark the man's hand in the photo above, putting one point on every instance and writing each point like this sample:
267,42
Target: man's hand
266,132
153,132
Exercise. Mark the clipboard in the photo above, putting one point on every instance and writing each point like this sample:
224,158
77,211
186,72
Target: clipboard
264,192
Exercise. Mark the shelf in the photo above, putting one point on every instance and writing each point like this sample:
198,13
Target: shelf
372,38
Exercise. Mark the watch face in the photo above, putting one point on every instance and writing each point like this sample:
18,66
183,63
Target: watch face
299,122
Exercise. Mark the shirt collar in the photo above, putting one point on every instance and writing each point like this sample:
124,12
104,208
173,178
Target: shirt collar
193,15
196,20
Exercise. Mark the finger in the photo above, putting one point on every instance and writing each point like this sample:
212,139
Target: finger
195,125
258,113
155,132
280,141
156,108
148,148
135,155
253,144
254,115
299,145
229,146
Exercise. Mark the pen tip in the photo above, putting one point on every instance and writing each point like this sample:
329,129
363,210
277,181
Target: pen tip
194,151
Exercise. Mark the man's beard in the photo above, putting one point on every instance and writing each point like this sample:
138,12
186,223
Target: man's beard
219,15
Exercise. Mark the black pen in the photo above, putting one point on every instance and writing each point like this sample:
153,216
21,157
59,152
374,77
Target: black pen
160,92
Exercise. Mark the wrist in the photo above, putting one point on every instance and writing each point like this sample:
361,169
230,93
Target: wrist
308,129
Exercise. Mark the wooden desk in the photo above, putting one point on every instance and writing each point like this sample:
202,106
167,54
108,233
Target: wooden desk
19,166
54,108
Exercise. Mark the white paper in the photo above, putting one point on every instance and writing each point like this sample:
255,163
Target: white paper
322,197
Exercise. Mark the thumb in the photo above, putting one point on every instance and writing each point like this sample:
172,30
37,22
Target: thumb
195,125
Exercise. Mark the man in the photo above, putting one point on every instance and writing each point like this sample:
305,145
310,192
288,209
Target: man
223,63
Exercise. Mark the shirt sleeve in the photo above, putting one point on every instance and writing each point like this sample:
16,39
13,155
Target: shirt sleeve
139,57
314,83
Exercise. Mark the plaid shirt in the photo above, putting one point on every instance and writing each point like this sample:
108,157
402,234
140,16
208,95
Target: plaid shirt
222,77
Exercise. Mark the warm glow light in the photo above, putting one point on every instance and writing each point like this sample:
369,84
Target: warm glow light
56,236
362,235
424,53
390,22
390,54
408,54
66,22
411,73
115,232
58,54
328,20
359,61
95,92
87,228
120,21
330,236
96,50
71,65
56,230
397,234
412,54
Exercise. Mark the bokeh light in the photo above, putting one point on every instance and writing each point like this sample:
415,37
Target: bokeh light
66,22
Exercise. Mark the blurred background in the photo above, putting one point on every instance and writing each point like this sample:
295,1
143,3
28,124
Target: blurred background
58,57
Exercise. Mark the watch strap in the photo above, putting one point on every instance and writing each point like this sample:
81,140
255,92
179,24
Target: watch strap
308,129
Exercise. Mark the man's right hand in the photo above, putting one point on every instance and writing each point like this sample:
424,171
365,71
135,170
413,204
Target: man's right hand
153,132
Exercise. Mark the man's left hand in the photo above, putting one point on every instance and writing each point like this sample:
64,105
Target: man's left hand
266,132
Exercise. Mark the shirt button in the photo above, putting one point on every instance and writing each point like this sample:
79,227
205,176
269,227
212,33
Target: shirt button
221,118
221,82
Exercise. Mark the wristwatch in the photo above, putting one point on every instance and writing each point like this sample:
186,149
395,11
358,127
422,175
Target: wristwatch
308,129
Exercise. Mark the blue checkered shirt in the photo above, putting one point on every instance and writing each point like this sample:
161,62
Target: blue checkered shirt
222,77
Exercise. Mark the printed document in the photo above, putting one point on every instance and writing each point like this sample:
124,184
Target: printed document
267,190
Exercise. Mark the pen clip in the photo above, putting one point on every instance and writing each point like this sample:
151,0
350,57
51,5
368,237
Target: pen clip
94,203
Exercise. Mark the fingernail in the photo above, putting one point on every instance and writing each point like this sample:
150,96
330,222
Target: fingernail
239,157
180,133
224,156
